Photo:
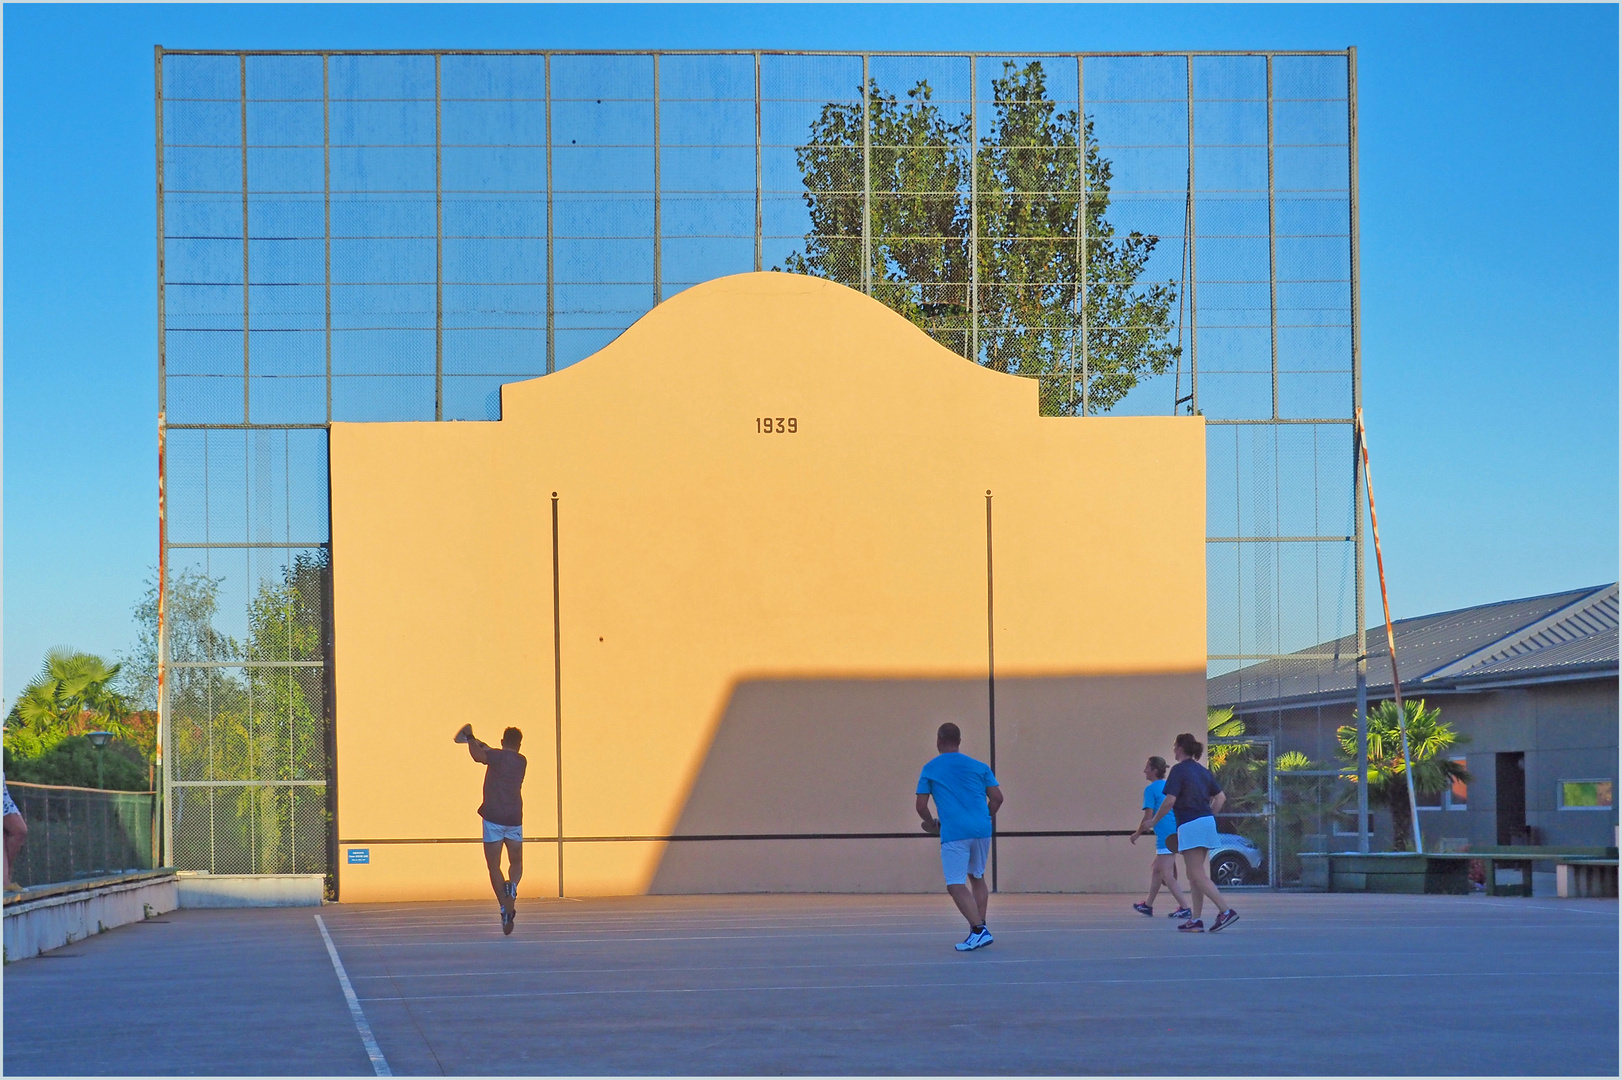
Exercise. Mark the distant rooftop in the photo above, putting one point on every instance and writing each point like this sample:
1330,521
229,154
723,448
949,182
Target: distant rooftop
1561,636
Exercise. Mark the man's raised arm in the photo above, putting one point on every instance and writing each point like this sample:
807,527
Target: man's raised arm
479,751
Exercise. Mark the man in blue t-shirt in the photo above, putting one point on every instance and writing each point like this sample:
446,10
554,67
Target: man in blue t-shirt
966,798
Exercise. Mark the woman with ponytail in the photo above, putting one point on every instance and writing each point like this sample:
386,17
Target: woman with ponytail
1194,798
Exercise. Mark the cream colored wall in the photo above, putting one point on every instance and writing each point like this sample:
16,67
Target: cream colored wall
760,632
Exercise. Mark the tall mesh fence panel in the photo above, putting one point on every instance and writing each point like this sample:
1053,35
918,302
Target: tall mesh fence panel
393,236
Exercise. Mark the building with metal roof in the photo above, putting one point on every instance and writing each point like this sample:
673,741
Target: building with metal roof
1531,684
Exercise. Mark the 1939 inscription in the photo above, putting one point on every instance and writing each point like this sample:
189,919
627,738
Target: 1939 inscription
777,425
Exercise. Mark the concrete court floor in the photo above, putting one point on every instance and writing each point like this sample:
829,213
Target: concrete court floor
1303,984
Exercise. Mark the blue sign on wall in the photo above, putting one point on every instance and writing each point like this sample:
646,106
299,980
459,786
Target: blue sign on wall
360,855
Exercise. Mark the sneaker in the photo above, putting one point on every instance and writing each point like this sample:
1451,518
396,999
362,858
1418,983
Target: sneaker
1227,918
1143,909
1181,913
507,917
968,943
1193,926
984,938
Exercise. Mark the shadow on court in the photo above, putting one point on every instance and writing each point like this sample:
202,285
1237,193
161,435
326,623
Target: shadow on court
834,984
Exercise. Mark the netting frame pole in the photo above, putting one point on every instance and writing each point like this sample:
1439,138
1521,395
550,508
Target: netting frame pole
758,177
1272,244
164,769
551,265
439,253
867,182
1193,274
658,222
974,211
1081,242
1358,478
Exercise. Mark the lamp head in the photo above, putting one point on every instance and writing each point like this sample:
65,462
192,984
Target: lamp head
99,739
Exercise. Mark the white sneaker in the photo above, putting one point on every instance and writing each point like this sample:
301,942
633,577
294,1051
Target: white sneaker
977,939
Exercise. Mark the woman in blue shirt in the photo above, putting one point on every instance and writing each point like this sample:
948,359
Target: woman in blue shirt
1164,869
1195,798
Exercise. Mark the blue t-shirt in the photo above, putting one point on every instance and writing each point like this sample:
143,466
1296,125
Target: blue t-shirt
1153,796
1194,787
958,785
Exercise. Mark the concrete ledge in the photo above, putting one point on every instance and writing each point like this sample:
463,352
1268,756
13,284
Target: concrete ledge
51,916
199,890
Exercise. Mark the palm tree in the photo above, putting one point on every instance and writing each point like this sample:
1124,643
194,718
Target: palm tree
72,693
1429,739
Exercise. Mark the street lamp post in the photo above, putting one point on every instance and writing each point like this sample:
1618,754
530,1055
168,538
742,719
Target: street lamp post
99,739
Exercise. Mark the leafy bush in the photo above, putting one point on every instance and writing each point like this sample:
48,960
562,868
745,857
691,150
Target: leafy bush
72,762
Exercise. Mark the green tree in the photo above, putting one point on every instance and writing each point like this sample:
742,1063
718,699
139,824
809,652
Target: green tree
73,693
243,723
75,762
1429,740
1239,767
1028,171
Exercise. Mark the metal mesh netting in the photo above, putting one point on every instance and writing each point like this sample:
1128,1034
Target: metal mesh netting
82,832
393,236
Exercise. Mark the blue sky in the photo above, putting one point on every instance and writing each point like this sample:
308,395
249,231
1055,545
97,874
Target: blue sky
1489,261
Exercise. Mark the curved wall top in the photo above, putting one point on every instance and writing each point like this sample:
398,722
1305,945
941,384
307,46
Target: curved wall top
771,585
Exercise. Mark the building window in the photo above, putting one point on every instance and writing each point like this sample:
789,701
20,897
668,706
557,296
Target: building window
1452,797
1585,794
1345,823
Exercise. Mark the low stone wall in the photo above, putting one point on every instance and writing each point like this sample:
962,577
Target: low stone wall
197,890
50,916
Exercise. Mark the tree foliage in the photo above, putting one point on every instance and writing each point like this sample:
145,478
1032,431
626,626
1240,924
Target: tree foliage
73,693
75,762
1027,170
247,722
1429,740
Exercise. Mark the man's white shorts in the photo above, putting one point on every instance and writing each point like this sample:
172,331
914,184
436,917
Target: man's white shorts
960,857
494,834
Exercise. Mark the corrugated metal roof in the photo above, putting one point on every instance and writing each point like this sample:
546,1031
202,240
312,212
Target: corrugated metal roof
1503,640
1596,651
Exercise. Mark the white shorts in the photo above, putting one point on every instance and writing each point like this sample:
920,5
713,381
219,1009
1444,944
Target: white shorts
10,807
494,834
1162,849
1199,833
964,857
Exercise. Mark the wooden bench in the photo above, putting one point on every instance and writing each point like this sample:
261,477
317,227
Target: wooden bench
1449,872
1585,877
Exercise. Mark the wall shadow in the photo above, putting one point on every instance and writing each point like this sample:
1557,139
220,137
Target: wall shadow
808,784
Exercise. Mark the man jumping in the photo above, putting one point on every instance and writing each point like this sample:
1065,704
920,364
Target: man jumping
503,814
966,798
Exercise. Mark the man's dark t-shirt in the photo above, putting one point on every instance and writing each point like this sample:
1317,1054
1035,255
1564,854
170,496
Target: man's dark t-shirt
1194,787
503,778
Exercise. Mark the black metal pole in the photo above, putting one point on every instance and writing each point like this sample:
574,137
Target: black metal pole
991,680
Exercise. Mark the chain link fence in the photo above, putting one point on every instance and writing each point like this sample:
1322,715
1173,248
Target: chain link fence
83,832
392,236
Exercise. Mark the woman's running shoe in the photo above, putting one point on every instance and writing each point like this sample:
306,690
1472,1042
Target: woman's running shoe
1181,913
1193,926
1225,919
1143,909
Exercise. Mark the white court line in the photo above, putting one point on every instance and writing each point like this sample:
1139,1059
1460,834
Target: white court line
559,936
378,1063
661,965
1031,982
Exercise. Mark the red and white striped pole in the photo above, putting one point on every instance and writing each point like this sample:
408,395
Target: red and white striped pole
1390,638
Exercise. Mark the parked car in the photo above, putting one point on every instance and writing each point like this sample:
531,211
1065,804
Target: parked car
1234,860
